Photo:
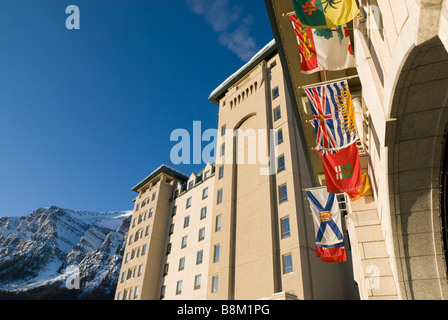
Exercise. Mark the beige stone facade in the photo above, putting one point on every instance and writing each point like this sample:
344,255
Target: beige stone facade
256,202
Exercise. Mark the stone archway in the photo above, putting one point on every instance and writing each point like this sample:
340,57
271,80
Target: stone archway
415,153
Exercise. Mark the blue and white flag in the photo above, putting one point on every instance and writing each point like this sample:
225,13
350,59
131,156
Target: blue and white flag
330,245
326,216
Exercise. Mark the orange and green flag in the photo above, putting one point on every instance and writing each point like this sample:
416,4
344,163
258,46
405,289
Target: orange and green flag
324,14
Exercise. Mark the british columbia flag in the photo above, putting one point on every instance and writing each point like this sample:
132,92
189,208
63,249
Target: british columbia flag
333,116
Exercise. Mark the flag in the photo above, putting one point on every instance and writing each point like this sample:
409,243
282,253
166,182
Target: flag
355,195
327,225
343,170
334,119
322,14
323,49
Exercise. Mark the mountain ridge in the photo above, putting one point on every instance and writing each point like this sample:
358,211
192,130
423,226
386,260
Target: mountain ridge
40,252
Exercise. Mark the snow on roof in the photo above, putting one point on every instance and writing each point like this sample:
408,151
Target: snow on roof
237,75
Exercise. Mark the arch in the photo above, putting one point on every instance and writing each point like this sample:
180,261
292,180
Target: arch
244,119
416,153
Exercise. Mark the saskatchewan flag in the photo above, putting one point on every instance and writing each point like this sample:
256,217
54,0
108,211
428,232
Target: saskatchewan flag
323,14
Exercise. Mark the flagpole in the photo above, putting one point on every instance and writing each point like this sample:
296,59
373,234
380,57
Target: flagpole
327,82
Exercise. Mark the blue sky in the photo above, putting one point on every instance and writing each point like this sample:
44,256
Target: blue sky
87,114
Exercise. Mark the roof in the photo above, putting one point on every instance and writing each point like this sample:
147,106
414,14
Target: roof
162,169
256,59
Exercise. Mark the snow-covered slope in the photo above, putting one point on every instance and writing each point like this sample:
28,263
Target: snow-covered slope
52,247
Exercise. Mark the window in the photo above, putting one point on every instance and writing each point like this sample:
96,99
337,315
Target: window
199,257
131,238
162,292
137,289
186,221
205,193
279,137
342,202
173,213
215,281
165,269
216,252
223,130
287,263
184,242
206,175
197,282
127,258
275,93
283,193
181,264
277,113
281,163
201,234
219,196
168,249
171,229
218,223
284,224
140,270
190,185
203,213
153,196
221,172
273,64
179,287
151,211
144,249
147,230
123,276
139,234
189,202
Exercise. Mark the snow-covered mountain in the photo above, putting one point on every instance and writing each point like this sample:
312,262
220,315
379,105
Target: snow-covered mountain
56,253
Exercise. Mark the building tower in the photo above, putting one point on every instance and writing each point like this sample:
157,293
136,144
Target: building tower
169,236
266,239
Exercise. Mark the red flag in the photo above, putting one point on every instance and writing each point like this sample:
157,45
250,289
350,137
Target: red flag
331,254
306,45
343,170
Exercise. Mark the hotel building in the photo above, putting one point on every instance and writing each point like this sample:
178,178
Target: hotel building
398,233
